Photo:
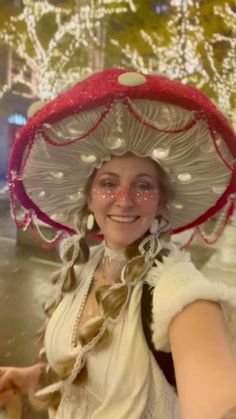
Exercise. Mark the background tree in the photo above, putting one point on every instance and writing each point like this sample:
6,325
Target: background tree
63,40
58,44
193,41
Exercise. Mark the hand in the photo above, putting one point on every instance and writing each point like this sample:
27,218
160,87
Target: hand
17,381
6,397
231,414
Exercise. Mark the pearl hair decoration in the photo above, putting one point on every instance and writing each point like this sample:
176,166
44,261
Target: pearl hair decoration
90,221
154,226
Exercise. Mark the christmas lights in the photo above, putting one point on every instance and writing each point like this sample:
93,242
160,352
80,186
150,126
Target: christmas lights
54,66
189,55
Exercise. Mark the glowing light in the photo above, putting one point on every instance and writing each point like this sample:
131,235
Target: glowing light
17,119
75,31
189,55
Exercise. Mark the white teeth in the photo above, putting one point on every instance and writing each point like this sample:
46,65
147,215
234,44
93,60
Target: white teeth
123,219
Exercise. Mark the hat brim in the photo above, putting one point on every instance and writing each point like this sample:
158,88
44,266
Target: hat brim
174,124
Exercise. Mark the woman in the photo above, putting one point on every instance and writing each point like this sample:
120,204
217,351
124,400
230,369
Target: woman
132,158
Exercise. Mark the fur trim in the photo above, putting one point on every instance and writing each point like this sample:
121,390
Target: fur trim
159,268
178,283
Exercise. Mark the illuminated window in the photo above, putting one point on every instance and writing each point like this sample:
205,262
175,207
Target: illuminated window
17,119
161,8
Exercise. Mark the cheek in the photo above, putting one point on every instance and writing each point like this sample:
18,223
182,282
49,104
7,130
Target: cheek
149,208
102,195
148,201
99,200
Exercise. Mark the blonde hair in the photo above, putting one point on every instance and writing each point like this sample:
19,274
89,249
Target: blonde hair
111,299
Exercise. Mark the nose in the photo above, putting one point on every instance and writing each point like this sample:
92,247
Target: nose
124,197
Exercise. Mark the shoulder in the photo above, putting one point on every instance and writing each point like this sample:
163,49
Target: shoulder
171,264
177,283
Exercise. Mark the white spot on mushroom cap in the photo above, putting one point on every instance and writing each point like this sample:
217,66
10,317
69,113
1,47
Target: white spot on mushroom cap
131,79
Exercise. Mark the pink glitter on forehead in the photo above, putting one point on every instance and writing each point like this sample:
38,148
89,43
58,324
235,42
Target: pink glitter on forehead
124,194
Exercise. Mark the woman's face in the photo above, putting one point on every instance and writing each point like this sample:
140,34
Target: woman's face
124,198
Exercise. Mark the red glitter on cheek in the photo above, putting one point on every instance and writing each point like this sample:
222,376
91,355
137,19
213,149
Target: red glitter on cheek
101,193
124,194
142,196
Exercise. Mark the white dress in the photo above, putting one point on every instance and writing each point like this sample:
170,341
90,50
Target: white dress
124,381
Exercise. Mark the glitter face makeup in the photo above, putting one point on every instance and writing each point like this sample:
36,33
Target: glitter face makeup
124,193
124,197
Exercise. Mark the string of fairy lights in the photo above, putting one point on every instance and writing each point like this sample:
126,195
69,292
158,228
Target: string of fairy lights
223,79
181,59
187,51
51,64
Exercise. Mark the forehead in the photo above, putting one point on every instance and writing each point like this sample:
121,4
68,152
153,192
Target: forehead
129,165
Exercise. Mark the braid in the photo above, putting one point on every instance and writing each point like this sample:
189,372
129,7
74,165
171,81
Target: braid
69,283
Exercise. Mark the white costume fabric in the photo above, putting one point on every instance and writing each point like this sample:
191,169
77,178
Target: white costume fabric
124,380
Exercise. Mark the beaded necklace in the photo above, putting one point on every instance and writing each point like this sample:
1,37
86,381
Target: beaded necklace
112,263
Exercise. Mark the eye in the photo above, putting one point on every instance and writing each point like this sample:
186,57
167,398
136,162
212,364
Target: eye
108,183
144,186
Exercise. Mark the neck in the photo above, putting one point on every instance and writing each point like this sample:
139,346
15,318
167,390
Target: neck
114,255
113,262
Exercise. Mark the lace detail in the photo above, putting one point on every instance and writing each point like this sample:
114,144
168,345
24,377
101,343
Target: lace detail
117,255
77,402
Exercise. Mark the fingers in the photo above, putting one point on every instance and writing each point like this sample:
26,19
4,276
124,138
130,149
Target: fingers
2,370
6,379
6,397
3,380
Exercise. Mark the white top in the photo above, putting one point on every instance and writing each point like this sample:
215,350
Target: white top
124,380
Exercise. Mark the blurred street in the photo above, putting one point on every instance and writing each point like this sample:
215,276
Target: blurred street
24,286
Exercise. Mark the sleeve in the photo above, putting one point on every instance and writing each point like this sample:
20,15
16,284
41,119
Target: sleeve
176,284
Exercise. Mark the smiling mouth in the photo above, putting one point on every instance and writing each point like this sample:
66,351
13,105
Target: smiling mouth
120,219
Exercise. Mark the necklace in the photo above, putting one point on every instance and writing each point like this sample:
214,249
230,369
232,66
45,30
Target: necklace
118,255
107,272
112,263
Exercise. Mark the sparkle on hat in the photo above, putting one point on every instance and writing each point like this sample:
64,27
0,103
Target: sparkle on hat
75,196
57,175
114,142
88,158
42,194
178,205
184,177
160,153
219,190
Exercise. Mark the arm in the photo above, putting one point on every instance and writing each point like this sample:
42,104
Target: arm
231,414
18,381
204,364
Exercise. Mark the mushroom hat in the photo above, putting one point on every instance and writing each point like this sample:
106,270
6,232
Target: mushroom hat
119,111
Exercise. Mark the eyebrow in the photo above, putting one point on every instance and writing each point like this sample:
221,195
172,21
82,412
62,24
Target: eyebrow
116,175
